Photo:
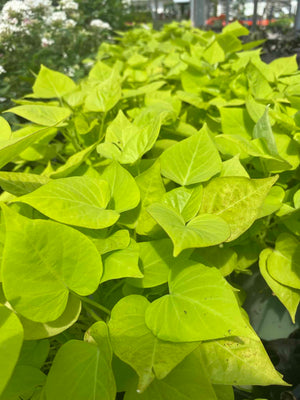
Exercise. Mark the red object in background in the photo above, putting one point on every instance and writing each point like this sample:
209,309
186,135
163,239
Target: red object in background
247,22
212,20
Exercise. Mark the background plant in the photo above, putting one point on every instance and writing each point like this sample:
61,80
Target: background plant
133,203
60,35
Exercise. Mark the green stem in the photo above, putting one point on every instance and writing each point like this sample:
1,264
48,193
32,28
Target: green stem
93,303
102,126
92,313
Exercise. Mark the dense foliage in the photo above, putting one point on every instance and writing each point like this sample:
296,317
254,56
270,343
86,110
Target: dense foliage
34,32
131,203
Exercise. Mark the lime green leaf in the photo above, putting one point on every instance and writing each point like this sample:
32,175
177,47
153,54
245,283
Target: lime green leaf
235,28
37,330
152,189
186,201
34,353
80,371
272,202
214,53
202,231
236,121
156,258
223,258
42,115
229,42
188,381
105,95
13,147
70,261
76,200
224,392
201,306
151,87
284,66
297,199
263,130
106,243
5,131
125,194
51,83
239,361
192,160
259,86
20,183
288,296
136,345
100,72
122,263
233,167
126,142
24,381
237,200
72,163
11,338
284,262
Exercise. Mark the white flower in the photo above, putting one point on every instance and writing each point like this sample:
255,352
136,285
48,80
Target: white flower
70,23
68,5
9,29
2,99
98,23
33,4
14,6
2,70
45,42
57,16
70,71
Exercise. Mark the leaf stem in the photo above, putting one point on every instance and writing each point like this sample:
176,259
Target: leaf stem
93,303
91,312
102,126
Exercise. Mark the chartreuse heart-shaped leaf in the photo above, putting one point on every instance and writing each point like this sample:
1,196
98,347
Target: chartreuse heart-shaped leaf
82,370
202,231
239,361
104,95
288,296
11,148
20,183
136,345
41,114
76,200
237,200
122,263
263,130
24,381
155,260
284,262
49,84
193,160
125,193
201,306
11,339
152,189
126,142
37,330
46,274
105,242
186,201
188,381
223,258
